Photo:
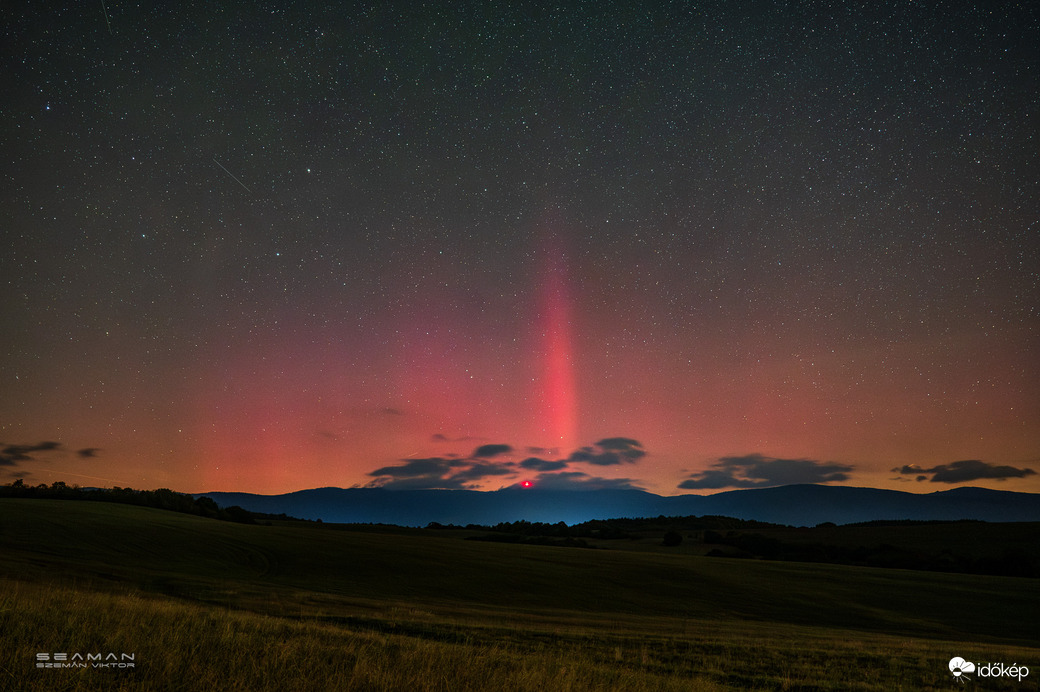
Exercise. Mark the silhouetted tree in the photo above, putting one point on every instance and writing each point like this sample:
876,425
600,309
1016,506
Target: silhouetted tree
207,507
242,516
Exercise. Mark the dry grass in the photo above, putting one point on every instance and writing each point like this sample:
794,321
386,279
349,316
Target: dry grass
185,646
182,646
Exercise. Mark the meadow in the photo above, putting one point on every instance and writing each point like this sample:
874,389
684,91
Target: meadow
203,604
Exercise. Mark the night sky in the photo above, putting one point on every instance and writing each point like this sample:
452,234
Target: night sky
683,247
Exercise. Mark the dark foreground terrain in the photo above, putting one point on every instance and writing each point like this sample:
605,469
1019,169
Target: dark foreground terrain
205,604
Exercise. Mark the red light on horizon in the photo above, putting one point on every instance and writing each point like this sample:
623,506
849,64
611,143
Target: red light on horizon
525,484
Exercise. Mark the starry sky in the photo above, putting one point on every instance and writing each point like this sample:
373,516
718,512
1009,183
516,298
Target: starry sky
679,246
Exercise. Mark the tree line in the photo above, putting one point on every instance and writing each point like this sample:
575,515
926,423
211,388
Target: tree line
163,498
1011,562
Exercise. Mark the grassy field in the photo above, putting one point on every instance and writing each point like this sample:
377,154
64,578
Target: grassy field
213,605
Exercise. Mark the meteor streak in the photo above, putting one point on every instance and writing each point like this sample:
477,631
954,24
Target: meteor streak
81,475
107,22
232,176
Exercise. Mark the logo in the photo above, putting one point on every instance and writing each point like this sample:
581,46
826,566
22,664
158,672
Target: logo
89,660
960,669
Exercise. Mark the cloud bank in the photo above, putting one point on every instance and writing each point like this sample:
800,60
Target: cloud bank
578,480
13,455
491,461
758,471
488,451
610,452
963,472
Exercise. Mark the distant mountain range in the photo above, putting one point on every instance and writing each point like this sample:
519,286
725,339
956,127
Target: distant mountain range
796,505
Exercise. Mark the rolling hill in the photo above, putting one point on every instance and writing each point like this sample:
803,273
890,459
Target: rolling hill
796,505
299,605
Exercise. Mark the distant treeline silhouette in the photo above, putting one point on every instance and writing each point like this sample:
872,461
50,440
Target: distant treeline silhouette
740,538
163,498
562,535
613,528
1012,562
533,540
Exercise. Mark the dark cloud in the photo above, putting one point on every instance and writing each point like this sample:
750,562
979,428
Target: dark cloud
577,480
418,467
11,455
480,471
758,471
536,464
421,483
620,444
449,472
964,471
610,451
391,411
488,451
437,473
713,480
88,452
